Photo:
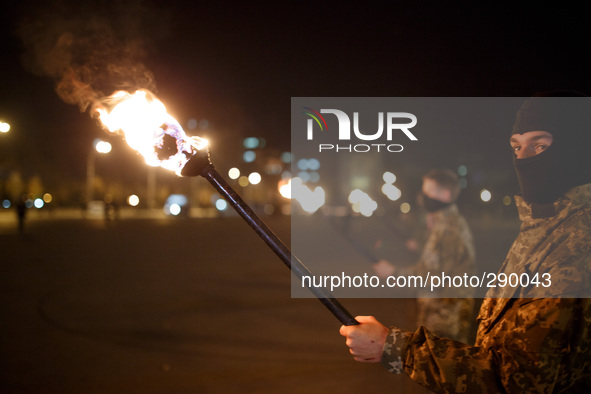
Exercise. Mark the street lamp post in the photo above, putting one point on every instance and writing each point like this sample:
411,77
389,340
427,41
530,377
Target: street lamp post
4,129
151,187
99,146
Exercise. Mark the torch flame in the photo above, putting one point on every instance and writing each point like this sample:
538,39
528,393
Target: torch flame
149,129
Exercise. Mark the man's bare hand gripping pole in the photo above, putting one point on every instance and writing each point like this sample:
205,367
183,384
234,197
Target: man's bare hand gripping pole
366,340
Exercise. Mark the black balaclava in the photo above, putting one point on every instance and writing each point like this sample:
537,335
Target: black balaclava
567,162
431,204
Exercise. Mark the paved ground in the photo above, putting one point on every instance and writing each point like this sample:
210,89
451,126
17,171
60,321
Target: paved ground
172,306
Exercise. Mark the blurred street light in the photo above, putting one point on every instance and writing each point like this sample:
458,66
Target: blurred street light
102,147
4,127
405,207
485,195
254,178
133,200
234,173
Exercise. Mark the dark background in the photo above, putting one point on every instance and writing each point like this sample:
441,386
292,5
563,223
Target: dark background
238,64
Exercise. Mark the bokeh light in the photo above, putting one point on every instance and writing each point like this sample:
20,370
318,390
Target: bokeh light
286,157
243,181
285,188
234,173
251,143
249,156
221,204
254,178
362,203
389,177
391,191
462,170
174,209
133,200
310,200
192,124
485,195
102,146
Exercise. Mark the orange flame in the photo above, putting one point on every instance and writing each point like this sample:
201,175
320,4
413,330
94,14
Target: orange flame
149,129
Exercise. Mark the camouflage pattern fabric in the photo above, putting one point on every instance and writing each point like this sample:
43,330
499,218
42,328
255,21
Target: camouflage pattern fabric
447,317
524,344
449,248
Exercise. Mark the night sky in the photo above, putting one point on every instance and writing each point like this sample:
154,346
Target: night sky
238,65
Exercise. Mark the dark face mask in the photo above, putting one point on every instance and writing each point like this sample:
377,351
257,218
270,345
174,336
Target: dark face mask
545,177
541,177
432,205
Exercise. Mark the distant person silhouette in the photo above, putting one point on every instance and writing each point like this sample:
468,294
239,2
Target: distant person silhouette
21,213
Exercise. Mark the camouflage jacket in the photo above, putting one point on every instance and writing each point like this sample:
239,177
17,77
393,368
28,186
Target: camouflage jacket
532,339
449,248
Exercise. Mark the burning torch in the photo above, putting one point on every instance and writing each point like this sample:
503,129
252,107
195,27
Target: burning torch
151,131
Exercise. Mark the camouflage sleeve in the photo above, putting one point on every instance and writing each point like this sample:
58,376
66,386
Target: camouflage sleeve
440,364
393,349
537,355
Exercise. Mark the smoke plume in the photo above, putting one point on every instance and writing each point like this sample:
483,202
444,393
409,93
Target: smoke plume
90,49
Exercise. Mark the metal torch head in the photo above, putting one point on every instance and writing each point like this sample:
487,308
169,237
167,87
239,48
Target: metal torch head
198,164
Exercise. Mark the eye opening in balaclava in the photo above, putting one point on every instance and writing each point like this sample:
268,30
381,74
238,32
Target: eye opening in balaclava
567,162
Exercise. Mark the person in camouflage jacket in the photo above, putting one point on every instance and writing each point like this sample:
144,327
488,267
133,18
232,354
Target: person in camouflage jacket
449,248
533,338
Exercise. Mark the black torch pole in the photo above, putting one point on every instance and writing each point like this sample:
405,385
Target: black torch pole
200,164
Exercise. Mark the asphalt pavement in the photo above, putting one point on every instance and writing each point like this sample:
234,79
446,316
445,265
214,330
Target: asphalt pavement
161,305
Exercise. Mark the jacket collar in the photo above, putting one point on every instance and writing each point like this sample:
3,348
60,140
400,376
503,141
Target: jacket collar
571,201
